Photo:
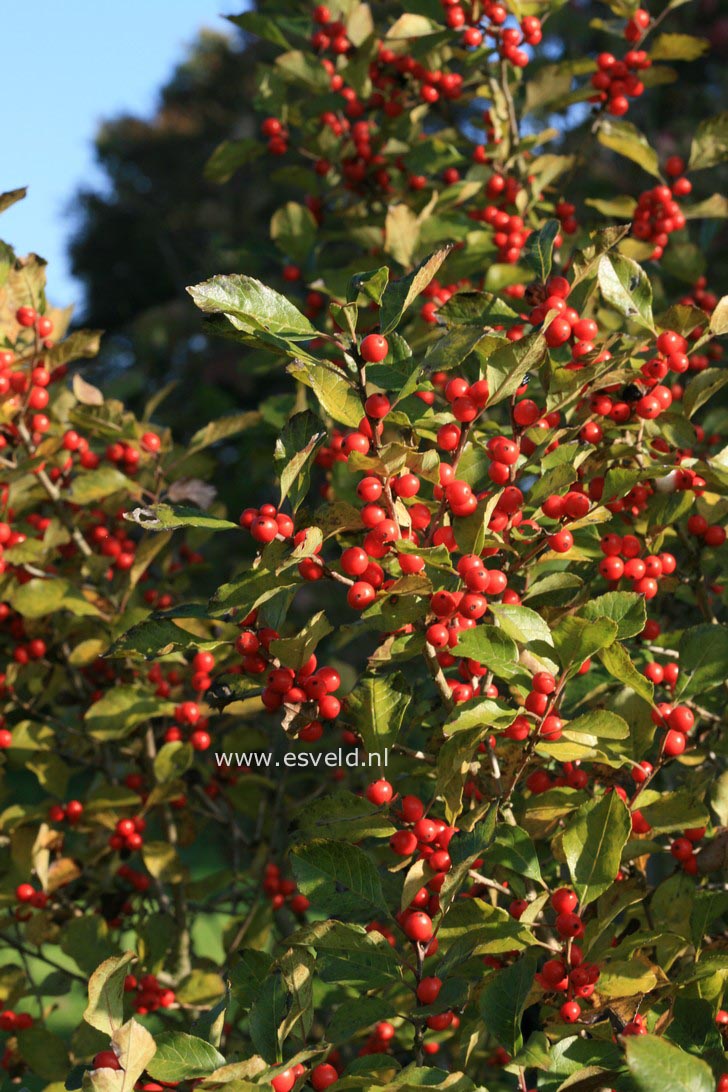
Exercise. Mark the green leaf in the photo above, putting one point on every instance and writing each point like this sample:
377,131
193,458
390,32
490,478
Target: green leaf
170,517
303,68
539,249
295,451
250,590
248,975
230,156
251,306
183,1057
678,47
105,1009
352,1019
348,954
492,647
618,663
120,709
172,760
11,196
503,998
465,848
401,233
371,285
702,387
401,294
267,1015
40,597
601,724
295,651
470,308
719,318
625,138
338,878
262,26
710,143
333,390
293,228
96,485
343,816
45,1053
507,367
514,850
135,1048
377,706
618,208
593,842
703,656
627,609
576,639
222,429
657,1066
521,623
678,810
626,286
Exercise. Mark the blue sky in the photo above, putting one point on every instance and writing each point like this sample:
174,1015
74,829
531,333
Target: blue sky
66,65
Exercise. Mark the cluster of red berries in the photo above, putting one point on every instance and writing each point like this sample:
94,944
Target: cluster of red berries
569,974
662,674
472,19
65,813
276,135
28,318
616,82
266,523
683,849
622,559
330,34
28,896
321,1077
15,1021
281,891
509,229
380,1040
567,324
679,721
392,73
711,534
658,215
150,995
188,716
310,688
128,834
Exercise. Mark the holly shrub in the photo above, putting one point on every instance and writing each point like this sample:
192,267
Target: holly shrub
430,790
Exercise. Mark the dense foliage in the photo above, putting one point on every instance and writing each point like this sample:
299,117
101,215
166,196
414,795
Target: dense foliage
465,656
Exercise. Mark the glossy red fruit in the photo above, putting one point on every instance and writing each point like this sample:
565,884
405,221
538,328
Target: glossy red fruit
675,743
374,348
428,990
284,1082
570,1011
561,542
418,927
106,1059
379,792
323,1076
564,901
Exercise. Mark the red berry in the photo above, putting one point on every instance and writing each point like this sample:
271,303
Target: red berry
323,1076
374,348
570,1011
379,792
106,1059
418,927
